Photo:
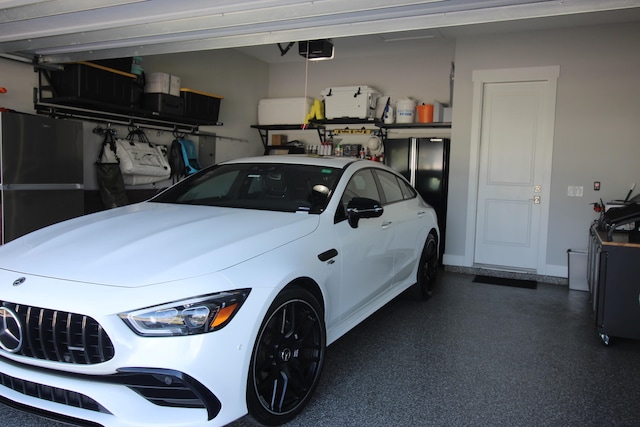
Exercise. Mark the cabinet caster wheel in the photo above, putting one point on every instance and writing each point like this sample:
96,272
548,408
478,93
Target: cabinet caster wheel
605,339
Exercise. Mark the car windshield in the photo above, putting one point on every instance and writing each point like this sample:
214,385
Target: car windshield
266,186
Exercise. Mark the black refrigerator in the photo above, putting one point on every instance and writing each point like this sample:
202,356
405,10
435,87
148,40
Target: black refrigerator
41,173
425,164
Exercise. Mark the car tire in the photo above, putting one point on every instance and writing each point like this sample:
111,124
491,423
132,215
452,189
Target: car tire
428,267
287,357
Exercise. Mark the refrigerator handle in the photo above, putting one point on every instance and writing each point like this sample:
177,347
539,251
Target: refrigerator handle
413,160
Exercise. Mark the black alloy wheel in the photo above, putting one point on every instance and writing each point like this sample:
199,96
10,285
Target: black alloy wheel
428,268
287,358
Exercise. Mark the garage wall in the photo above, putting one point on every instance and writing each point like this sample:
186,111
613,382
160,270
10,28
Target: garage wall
597,115
596,128
419,69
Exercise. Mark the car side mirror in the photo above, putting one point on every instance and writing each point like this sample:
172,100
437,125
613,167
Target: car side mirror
361,207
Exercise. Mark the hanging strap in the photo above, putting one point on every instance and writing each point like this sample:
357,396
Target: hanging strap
138,134
109,140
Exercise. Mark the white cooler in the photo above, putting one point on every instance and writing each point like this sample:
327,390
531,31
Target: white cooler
354,102
283,111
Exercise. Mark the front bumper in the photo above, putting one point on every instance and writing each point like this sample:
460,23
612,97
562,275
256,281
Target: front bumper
197,380
162,387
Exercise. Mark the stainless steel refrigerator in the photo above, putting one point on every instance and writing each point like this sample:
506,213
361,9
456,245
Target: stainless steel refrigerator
425,163
41,172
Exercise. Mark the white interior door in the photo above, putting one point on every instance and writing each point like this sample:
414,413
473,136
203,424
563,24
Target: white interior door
514,168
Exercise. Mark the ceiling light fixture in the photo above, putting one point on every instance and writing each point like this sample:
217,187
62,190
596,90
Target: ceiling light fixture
316,50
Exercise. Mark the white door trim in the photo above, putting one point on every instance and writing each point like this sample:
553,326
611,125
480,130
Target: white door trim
480,78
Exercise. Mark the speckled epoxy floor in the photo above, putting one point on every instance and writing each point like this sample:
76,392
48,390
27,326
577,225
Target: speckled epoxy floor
473,355
478,355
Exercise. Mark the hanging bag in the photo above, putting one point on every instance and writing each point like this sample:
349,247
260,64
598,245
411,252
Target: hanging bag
109,175
183,158
142,162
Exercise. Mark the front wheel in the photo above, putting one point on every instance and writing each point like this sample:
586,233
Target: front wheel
287,358
428,268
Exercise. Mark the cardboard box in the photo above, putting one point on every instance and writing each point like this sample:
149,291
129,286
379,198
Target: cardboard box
438,111
278,139
447,112
162,83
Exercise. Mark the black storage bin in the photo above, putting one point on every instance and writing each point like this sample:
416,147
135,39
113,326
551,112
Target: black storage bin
90,85
163,104
120,64
201,106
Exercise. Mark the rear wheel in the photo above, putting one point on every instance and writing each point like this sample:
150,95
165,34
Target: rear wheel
287,358
428,268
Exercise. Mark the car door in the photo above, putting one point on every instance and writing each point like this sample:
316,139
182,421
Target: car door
400,205
367,257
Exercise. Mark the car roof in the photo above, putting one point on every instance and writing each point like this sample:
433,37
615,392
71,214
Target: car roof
301,159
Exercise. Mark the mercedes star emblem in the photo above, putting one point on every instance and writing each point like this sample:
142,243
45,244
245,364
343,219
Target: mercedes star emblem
10,331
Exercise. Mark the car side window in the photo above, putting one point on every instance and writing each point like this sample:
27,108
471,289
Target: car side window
361,184
390,186
408,191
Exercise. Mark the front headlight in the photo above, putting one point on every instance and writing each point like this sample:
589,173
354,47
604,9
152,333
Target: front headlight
193,316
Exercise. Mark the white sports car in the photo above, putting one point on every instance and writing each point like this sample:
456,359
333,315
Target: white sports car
214,299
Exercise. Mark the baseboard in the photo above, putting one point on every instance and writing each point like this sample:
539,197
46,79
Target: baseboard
556,274
455,260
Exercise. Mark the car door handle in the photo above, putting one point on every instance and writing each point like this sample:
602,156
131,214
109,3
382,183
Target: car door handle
421,214
386,224
328,255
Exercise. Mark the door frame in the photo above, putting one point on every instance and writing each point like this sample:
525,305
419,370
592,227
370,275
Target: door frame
549,74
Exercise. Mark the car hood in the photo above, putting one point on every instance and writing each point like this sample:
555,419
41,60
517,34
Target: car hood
150,243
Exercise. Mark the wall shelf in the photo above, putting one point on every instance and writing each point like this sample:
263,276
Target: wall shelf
415,125
320,127
139,118
265,129
348,121
92,92
380,124
386,127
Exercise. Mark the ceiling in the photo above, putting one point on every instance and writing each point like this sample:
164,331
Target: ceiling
58,31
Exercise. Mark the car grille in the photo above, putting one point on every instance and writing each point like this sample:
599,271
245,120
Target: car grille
61,336
52,394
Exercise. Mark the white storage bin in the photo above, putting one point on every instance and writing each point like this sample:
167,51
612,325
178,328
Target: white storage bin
162,83
354,102
578,270
284,111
